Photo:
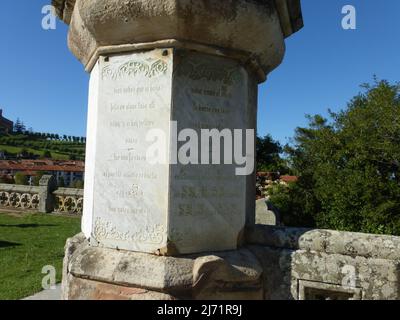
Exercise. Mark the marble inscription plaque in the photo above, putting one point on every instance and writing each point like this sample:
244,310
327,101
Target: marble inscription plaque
208,202
130,200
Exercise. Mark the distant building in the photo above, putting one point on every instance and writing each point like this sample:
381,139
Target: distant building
5,124
67,171
267,180
288,179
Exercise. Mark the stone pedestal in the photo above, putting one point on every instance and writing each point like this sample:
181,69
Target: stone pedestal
164,67
92,273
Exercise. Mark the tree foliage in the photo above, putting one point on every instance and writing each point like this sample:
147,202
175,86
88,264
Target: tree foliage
269,155
36,179
348,166
19,127
78,184
21,179
61,182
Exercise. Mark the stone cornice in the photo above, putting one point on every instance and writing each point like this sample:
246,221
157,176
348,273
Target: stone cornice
64,9
290,16
289,11
252,31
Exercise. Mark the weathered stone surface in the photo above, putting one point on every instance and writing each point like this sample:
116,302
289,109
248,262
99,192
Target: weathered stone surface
377,279
84,289
289,12
325,264
47,184
266,214
276,277
72,244
233,275
148,275
222,275
312,290
132,269
257,28
64,9
233,266
327,241
255,272
288,274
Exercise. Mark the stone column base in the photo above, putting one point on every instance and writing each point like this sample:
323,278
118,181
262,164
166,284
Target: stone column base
93,273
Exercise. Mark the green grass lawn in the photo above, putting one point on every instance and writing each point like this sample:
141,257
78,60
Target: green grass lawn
28,242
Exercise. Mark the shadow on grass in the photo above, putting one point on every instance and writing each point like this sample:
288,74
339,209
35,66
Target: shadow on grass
24,226
6,244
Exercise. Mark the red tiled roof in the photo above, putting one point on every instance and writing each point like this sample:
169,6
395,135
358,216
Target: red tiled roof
288,179
267,174
42,165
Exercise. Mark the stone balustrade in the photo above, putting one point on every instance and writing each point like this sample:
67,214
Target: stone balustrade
68,200
19,197
44,198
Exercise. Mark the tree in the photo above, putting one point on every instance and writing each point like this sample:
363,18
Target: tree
19,127
78,184
24,154
61,182
6,179
47,154
268,155
349,166
21,179
37,178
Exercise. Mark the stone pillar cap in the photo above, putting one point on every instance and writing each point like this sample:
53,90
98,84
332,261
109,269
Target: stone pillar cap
253,30
289,11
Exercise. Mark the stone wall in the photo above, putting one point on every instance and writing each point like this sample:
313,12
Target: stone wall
44,198
305,264
276,263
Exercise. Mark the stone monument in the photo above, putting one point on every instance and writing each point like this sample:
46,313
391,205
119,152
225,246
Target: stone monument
167,66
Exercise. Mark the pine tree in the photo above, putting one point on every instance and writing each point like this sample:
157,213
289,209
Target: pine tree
19,127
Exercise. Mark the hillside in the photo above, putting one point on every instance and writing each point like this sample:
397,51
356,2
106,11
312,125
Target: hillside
36,145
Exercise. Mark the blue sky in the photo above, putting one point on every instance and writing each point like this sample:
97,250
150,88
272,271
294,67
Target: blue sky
43,84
